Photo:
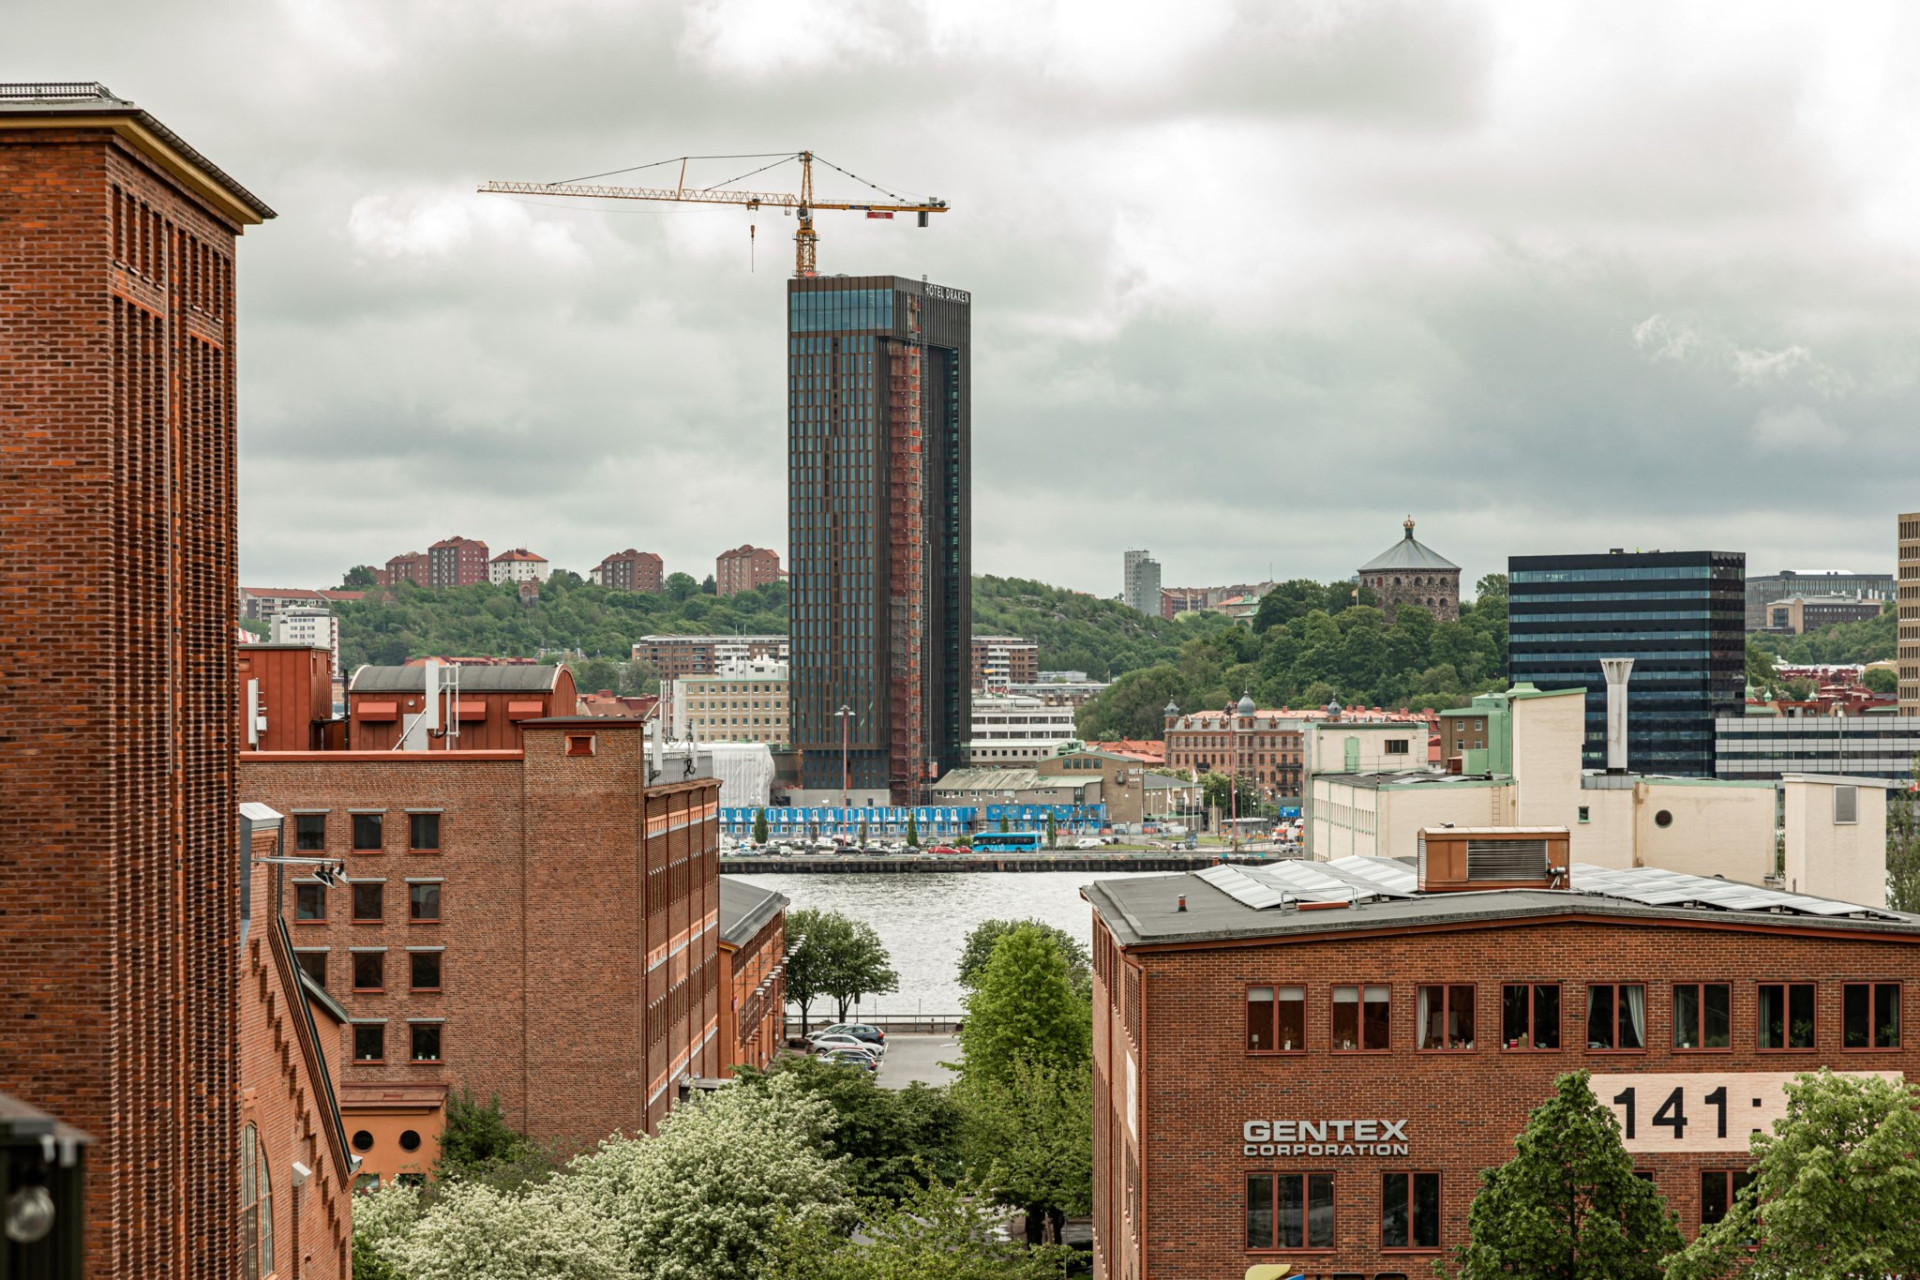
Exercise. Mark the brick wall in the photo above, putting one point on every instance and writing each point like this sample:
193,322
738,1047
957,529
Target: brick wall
1181,1014
116,398
576,923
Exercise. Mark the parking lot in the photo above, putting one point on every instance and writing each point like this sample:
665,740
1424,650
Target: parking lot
917,1057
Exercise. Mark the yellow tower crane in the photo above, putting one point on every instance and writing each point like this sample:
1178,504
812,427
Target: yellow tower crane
803,203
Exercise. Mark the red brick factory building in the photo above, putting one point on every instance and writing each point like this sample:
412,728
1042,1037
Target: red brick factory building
1306,1066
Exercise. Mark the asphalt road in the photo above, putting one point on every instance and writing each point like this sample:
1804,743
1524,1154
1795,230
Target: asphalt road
917,1057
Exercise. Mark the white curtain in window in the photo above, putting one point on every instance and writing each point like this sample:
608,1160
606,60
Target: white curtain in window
1635,998
1424,1020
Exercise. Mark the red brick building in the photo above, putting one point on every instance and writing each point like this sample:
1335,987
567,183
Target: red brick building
1263,746
540,924
457,562
744,568
999,661
286,697
297,1173
1307,1065
487,704
753,986
674,656
632,570
119,941
412,566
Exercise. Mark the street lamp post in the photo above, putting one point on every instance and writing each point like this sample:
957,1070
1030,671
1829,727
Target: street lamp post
843,715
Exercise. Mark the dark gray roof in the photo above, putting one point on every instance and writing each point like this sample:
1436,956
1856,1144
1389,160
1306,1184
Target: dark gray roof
1408,553
745,909
86,97
517,679
1255,903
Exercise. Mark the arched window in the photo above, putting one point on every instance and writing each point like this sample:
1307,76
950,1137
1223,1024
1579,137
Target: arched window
256,1208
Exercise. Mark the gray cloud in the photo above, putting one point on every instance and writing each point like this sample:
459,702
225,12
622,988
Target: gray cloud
1251,280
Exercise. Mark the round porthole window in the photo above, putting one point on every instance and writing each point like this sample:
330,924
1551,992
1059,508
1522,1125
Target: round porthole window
409,1140
362,1141
1663,819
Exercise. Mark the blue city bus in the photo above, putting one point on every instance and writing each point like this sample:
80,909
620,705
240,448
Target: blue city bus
1008,842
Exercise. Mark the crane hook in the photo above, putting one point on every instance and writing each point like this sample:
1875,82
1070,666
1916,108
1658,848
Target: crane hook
750,246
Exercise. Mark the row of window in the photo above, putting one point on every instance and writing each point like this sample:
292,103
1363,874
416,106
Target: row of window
368,968
1295,1211
423,1040
369,899
1446,1017
368,831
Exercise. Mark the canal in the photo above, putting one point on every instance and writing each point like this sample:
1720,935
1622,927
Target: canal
923,920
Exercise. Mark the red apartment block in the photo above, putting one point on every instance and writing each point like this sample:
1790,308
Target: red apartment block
744,568
753,962
291,1034
119,942
413,566
538,922
632,570
1307,1066
457,562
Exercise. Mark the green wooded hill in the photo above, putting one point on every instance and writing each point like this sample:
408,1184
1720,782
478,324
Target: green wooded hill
1874,640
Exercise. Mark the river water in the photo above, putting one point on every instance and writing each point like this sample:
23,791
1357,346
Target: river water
924,920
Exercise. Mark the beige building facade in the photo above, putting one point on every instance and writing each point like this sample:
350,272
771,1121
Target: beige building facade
746,702
1834,834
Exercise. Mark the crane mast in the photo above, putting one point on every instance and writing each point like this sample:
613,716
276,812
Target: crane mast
805,239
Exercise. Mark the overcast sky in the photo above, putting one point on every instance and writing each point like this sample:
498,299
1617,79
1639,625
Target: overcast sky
1251,281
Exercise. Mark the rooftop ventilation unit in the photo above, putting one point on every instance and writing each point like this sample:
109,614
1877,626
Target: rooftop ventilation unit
1457,859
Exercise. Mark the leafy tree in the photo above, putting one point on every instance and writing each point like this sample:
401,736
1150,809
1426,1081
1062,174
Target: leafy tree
1835,1193
708,586
1880,680
381,1217
1219,790
946,1232
1024,1007
1286,602
1031,1135
1760,667
1873,640
708,1198
837,957
1567,1206
1491,586
477,1144
759,826
681,585
891,1142
596,674
1903,845
473,1229
913,831
359,578
977,951
1053,831
1004,827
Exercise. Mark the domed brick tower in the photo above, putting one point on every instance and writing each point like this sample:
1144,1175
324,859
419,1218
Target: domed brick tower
1410,572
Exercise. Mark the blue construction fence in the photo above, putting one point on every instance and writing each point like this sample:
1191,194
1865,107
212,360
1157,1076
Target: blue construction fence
930,821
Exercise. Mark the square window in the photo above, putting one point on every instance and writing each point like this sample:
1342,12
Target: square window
424,901
1719,1189
1410,1211
1617,1017
309,902
1276,1019
426,970
368,900
313,964
367,829
1871,1016
1445,1020
369,1042
1702,1015
426,1041
1785,1015
369,970
1530,1016
579,744
1361,1019
423,832
1289,1211
310,831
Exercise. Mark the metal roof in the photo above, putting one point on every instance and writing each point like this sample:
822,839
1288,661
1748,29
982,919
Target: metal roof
1408,553
537,678
745,909
1279,899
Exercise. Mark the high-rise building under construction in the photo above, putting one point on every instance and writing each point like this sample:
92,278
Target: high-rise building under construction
880,533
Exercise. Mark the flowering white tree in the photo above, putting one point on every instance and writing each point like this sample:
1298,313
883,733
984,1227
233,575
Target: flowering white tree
472,1231
708,1197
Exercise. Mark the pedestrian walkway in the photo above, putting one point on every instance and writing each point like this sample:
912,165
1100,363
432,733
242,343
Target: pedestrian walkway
917,1057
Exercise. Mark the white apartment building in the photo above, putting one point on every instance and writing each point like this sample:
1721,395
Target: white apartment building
1016,727
518,565
745,701
316,628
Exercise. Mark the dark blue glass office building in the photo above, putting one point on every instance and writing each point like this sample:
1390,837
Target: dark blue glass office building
1680,615
879,528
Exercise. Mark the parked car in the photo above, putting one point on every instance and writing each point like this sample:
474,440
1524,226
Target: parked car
826,1044
945,849
858,1030
852,1058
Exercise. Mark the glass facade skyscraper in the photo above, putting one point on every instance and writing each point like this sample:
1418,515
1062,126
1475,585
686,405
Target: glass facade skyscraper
879,530
1680,615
